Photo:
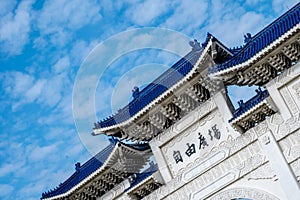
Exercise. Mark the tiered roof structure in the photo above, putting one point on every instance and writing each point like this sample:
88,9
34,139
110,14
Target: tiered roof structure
168,98
191,82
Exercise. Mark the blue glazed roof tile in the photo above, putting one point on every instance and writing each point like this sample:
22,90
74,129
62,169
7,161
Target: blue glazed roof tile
81,173
89,167
262,39
244,107
153,90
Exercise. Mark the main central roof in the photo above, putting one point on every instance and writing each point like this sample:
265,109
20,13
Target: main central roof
154,89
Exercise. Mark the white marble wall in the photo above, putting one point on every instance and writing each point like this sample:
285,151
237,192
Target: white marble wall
263,163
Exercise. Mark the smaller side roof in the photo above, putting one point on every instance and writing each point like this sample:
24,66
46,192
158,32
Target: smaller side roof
91,166
244,107
139,177
252,112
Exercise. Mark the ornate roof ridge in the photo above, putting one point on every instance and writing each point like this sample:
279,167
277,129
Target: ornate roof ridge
262,39
236,49
153,90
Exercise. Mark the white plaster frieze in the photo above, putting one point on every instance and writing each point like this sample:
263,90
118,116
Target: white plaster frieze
250,193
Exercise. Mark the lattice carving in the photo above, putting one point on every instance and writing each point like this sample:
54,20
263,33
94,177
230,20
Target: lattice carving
292,51
279,61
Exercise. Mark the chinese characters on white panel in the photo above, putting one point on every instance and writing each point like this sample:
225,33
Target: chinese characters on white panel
213,133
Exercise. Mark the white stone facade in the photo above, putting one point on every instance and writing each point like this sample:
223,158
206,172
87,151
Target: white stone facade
262,163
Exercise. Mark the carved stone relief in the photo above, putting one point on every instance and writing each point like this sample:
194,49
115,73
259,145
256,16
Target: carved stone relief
279,127
289,100
263,172
241,162
291,146
250,193
261,128
296,169
240,142
287,75
296,88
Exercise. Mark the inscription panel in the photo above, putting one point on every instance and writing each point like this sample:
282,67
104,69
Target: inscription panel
244,154
195,142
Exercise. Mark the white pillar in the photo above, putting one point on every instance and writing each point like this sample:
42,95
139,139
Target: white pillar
278,100
161,162
224,106
282,169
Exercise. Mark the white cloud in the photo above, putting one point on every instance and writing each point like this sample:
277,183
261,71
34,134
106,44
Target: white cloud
249,22
40,43
7,168
6,7
137,76
25,88
60,18
6,190
22,88
61,65
17,83
31,188
230,25
80,50
35,91
145,12
251,2
15,28
72,14
39,153
187,15
281,6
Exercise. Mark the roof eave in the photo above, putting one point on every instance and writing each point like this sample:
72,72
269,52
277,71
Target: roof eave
109,129
253,59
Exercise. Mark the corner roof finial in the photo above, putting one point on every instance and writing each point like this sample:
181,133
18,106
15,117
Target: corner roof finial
247,38
77,166
258,90
135,92
195,45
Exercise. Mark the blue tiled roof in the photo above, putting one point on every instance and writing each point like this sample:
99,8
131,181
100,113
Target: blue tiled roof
262,39
84,171
153,90
244,107
89,167
142,176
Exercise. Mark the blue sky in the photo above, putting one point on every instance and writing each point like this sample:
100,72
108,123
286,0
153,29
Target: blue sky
42,46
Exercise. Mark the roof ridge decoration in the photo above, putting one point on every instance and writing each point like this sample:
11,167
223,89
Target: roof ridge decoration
161,86
260,41
90,168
